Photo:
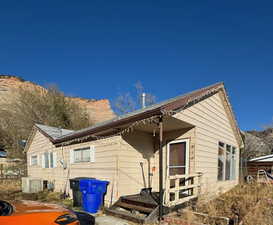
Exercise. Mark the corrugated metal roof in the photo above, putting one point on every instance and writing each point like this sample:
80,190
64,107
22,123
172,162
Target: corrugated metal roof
169,104
53,132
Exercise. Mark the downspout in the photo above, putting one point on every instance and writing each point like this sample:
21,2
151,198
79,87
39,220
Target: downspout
160,168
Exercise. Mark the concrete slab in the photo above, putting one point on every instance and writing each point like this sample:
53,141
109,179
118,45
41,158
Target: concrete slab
110,220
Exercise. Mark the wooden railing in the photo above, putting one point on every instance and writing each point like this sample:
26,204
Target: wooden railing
182,188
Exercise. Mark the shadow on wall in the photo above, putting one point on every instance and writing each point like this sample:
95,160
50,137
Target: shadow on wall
145,145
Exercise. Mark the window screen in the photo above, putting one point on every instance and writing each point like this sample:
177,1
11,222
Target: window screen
82,155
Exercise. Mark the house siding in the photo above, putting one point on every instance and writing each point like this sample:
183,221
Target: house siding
136,148
212,125
39,145
104,167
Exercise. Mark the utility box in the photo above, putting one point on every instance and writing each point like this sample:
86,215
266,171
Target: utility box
32,185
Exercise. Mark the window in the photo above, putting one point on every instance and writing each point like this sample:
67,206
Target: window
46,155
228,158
82,155
51,163
34,160
233,163
221,159
226,162
49,160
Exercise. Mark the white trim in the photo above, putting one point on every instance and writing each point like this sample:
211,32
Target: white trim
232,177
71,155
92,154
262,158
43,160
187,141
55,159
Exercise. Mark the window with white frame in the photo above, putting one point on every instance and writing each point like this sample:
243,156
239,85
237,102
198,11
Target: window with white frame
49,160
34,160
228,159
82,155
46,157
226,162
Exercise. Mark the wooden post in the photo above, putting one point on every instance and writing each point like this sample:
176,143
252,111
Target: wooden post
160,168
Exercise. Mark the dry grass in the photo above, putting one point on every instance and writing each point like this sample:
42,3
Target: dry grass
250,203
246,204
9,186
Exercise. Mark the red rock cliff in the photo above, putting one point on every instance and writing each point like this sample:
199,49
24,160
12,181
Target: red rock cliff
98,110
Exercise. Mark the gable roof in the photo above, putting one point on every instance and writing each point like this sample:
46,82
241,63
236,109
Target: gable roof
172,104
58,136
53,132
152,110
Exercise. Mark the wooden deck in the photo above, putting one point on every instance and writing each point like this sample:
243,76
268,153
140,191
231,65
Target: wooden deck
139,208
149,200
144,207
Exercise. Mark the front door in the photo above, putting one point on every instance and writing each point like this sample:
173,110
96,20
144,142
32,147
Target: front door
178,164
178,157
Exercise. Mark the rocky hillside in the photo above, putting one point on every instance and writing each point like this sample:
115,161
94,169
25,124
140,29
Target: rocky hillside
98,110
258,143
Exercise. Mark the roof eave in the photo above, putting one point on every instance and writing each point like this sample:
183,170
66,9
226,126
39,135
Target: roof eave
146,114
124,121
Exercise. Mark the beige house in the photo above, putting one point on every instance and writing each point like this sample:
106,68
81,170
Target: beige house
180,148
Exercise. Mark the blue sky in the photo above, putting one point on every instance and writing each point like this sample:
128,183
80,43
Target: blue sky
98,49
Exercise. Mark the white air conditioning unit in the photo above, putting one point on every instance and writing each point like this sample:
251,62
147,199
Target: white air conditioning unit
32,185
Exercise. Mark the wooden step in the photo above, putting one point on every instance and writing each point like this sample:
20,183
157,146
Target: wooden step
125,215
147,203
135,207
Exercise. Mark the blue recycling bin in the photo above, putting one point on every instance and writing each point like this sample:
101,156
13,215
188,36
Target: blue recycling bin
92,194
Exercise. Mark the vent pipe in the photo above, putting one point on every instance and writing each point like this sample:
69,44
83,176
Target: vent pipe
143,100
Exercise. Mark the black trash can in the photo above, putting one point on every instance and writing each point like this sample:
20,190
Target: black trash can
75,186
